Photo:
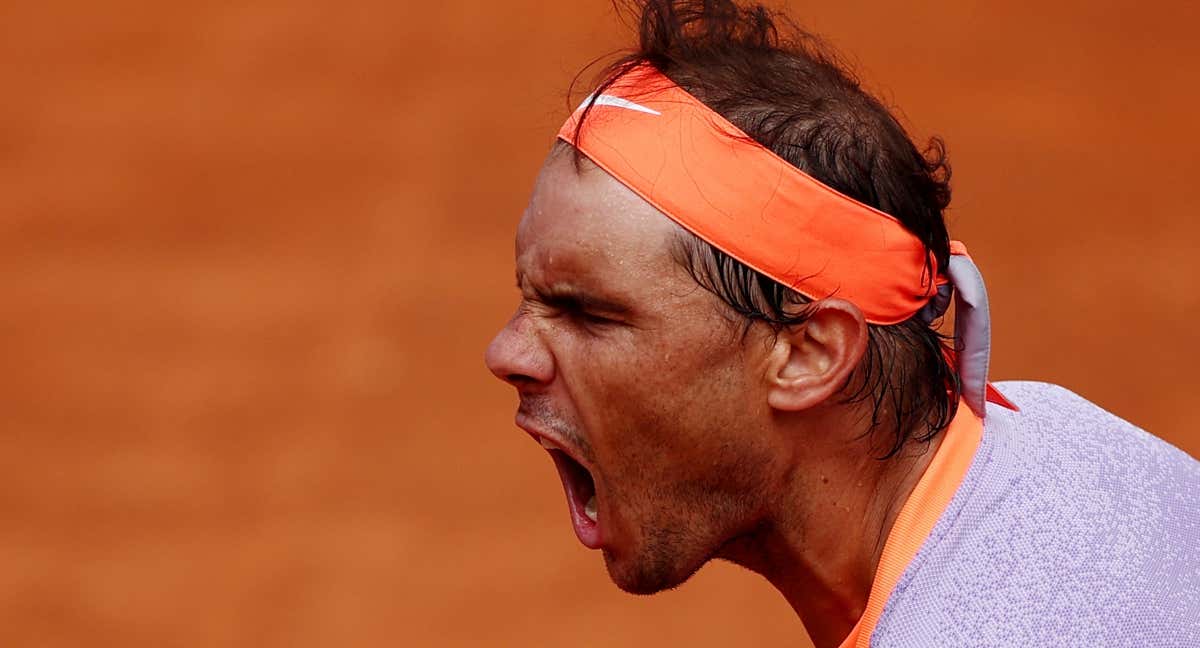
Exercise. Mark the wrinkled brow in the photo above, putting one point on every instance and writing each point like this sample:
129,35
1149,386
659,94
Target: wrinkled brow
564,295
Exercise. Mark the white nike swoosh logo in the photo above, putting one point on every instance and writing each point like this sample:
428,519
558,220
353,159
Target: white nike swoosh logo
618,102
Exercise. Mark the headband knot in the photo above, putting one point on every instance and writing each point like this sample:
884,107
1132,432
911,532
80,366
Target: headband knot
938,304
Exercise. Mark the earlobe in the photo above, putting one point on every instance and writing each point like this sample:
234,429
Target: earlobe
812,361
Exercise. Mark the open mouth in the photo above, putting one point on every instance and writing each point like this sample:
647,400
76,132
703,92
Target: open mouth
581,496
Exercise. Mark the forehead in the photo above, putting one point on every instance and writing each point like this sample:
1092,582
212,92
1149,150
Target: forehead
583,224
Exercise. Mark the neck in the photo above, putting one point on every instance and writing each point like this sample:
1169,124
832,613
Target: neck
821,544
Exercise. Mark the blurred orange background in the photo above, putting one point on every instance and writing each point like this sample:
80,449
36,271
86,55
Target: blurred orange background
252,253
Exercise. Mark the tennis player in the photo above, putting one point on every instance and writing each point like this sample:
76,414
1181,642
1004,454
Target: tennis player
731,270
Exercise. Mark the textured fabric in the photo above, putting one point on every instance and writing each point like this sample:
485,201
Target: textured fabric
1072,527
919,514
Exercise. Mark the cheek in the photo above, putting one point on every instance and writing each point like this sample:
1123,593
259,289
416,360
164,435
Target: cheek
661,406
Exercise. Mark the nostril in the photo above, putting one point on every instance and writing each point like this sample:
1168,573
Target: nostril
518,379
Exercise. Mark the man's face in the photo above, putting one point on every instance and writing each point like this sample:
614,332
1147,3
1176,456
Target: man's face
634,376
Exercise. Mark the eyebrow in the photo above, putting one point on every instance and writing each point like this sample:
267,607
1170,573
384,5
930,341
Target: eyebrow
569,296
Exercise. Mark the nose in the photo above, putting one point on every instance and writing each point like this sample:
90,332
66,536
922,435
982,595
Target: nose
518,356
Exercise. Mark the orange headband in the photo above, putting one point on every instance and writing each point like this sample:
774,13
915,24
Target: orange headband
717,182
714,180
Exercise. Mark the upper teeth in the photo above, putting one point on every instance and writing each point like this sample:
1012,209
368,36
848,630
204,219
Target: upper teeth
589,509
546,443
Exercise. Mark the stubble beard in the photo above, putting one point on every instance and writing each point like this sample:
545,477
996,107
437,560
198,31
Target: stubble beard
666,559
674,547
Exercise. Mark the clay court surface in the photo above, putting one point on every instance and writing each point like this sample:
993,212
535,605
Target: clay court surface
251,254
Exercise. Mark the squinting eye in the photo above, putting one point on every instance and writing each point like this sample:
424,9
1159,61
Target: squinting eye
589,318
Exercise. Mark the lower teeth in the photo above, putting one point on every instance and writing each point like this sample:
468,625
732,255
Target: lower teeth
589,509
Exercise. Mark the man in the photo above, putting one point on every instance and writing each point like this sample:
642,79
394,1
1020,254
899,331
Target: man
731,270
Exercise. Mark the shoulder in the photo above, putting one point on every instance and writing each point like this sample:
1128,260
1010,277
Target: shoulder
1054,419
1071,523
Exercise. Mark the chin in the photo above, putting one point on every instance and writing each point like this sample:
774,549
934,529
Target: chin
649,574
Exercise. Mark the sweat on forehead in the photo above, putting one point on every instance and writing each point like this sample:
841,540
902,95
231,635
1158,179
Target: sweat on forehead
579,214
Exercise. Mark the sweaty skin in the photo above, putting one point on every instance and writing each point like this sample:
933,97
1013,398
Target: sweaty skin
701,443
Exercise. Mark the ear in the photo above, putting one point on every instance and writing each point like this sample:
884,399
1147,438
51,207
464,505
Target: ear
812,361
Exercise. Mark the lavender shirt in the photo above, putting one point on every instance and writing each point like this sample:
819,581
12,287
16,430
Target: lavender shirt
1072,527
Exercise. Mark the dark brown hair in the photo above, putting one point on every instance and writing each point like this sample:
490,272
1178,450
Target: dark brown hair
792,95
